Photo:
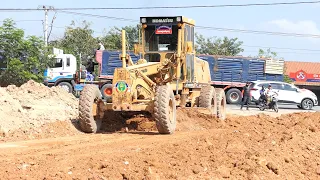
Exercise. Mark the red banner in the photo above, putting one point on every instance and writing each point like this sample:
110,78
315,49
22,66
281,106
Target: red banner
302,76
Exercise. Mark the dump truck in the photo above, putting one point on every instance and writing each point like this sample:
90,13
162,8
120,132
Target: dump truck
167,75
232,72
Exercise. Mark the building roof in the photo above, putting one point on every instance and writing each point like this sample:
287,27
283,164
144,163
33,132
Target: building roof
308,67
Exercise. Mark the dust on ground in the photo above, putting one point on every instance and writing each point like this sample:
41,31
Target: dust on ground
241,147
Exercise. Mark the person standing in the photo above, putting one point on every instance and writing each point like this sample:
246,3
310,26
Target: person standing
246,96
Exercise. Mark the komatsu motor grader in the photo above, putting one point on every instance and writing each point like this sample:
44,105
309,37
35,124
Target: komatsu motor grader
167,75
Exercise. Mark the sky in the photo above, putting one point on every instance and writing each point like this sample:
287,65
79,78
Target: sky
301,19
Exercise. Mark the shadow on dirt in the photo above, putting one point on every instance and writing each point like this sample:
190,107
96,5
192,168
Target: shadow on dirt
129,122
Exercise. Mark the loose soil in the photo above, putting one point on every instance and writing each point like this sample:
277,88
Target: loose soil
241,147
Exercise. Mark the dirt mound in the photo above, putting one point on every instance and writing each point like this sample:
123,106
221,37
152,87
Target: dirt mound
32,105
250,147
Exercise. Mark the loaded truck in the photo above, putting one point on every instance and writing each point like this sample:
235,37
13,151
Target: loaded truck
65,72
227,72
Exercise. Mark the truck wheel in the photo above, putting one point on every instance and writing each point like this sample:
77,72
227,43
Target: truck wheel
207,99
66,86
233,96
165,110
88,109
221,104
106,92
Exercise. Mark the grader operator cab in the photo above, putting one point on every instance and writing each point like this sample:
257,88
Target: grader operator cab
168,75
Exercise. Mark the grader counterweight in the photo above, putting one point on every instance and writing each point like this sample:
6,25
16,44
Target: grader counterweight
167,76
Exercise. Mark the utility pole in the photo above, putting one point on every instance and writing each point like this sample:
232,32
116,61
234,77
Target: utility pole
45,23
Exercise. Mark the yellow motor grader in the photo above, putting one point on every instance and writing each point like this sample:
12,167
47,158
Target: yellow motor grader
167,75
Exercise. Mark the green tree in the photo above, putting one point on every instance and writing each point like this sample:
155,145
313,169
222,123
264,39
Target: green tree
112,40
218,46
78,40
267,54
22,58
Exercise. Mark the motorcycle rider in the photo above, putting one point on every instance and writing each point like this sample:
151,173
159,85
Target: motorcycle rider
263,94
269,93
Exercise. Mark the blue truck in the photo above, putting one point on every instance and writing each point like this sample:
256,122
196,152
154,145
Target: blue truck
227,72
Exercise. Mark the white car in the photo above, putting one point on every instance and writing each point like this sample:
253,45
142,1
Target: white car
287,94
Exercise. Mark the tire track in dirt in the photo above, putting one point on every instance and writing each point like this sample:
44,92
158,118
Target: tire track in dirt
253,147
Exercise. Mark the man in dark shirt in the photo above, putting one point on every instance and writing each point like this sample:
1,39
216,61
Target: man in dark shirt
246,96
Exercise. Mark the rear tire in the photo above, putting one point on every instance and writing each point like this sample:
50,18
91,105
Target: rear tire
207,99
165,110
221,104
66,86
233,96
89,99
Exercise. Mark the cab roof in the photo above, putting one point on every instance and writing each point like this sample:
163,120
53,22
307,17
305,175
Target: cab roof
166,19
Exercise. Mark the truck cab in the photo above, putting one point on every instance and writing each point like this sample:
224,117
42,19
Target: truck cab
62,73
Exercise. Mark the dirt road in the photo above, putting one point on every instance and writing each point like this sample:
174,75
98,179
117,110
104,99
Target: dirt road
255,147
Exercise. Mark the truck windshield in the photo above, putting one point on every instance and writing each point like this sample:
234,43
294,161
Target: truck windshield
58,63
161,37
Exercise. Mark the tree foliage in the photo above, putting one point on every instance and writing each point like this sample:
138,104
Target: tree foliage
112,40
218,46
271,54
77,40
22,58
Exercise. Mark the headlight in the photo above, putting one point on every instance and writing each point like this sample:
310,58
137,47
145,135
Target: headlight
143,20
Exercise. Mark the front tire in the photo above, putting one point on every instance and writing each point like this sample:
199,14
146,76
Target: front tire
165,110
66,86
89,119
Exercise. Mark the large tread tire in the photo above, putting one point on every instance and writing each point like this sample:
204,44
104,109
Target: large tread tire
90,95
207,99
221,104
165,110
237,93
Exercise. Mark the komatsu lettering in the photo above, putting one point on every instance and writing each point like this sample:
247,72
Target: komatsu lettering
162,20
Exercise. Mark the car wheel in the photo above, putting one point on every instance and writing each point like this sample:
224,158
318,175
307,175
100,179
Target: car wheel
307,104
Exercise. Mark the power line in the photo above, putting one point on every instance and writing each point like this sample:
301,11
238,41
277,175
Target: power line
99,16
171,7
284,52
34,20
207,28
260,32
294,49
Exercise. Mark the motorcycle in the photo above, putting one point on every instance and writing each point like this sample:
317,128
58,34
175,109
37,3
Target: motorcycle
273,104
